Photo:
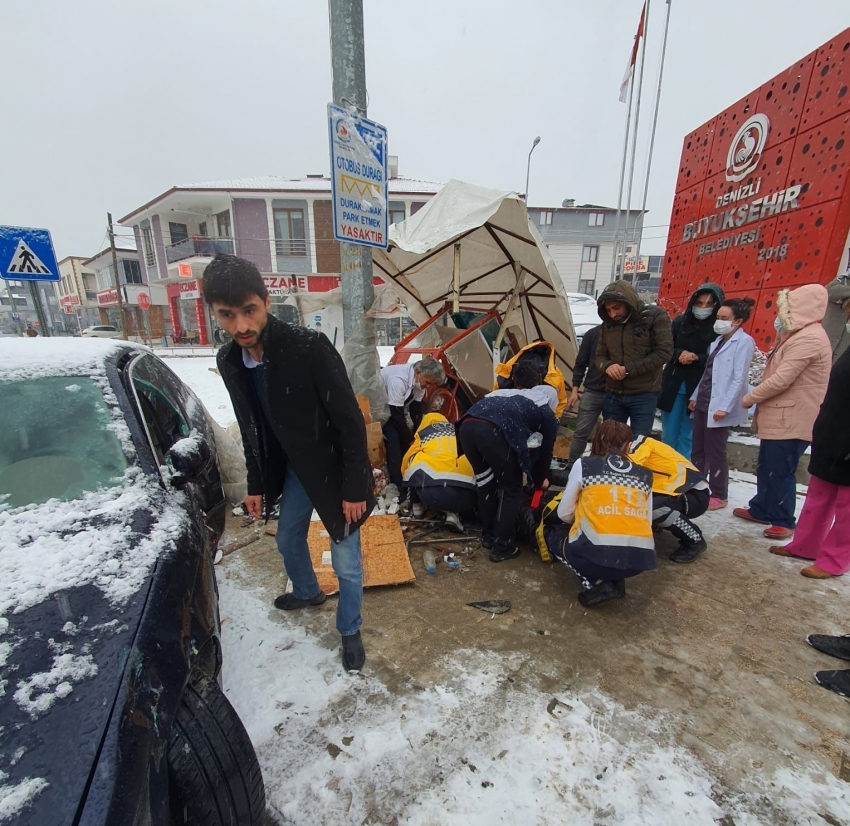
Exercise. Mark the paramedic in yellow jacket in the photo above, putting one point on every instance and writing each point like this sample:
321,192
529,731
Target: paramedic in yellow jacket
680,494
435,475
608,504
542,355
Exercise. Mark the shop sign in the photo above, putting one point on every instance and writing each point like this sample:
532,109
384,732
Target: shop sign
189,290
286,284
106,298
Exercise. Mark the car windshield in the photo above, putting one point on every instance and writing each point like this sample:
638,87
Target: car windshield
55,441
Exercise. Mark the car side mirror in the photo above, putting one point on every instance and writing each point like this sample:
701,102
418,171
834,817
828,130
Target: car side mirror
187,460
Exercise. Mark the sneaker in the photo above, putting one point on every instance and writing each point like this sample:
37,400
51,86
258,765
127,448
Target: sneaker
688,552
289,602
813,572
501,556
418,510
837,681
744,513
453,522
715,504
834,646
775,532
605,591
353,653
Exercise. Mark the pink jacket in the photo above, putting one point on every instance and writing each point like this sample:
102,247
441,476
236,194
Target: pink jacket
797,371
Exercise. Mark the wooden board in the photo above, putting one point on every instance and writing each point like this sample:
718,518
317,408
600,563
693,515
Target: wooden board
385,560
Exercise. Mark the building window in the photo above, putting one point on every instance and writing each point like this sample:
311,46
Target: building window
589,253
179,232
132,271
289,232
223,221
546,218
202,229
596,219
415,206
396,212
104,278
587,286
147,243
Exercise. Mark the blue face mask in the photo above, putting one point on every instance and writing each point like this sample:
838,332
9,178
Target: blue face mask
702,313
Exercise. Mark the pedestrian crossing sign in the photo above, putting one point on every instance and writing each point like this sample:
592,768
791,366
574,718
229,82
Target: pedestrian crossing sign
26,254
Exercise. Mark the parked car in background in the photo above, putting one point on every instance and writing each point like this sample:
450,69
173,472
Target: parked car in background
111,510
585,313
101,331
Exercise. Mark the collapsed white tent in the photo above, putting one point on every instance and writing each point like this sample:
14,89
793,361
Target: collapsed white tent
504,265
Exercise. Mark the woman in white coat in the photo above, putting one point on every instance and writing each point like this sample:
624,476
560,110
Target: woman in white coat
716,402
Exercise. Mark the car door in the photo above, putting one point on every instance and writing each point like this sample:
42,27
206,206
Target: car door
170,412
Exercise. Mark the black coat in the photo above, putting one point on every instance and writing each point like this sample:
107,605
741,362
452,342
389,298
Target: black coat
585,372
830,458
318,425
695,336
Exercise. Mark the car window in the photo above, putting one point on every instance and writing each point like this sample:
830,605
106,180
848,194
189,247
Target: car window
157,394
56,441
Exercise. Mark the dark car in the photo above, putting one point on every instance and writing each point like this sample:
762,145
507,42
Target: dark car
111,509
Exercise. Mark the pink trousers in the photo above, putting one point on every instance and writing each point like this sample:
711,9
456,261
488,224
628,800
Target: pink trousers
823,528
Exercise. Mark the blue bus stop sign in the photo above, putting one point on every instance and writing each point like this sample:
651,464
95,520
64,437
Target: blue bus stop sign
26,254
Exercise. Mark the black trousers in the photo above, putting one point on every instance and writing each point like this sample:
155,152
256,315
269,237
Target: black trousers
449,498
397,445
674,513
498,477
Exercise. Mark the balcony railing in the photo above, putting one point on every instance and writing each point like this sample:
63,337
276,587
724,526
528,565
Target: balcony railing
205,247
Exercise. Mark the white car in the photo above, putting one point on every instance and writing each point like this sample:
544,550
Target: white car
585,313
101,331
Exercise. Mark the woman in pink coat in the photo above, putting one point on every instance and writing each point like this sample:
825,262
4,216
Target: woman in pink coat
788,399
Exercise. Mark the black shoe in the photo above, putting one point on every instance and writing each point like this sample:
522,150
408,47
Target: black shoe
688,551
487,542
501,556
837,681
610,589
289,602
353,653
834,646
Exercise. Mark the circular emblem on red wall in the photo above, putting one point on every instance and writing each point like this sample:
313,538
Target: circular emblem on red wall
746,147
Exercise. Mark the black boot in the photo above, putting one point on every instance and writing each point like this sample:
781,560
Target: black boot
501,554
353,653
837,681
289,602
689,551
605,591
834,646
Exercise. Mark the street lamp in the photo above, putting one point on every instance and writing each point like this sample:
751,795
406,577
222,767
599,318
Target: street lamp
528,168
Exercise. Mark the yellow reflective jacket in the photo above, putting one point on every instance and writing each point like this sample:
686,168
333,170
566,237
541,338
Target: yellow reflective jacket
672,473
553,377
433,455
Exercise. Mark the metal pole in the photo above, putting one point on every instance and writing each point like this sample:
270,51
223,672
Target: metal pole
654,124
622,178
528,169
39,309
637,122
17,324
115,278
348,65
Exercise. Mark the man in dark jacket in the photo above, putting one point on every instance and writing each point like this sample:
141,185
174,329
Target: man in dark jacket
834,322
497,435
634,345
304,439
593,397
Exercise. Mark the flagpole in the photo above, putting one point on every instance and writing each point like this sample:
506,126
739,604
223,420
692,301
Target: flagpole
637,122
654,124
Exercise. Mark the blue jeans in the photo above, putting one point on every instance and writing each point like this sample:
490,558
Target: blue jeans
293,524
776,484
638,410
677,427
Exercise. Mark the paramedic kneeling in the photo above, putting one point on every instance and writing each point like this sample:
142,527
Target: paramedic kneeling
608,502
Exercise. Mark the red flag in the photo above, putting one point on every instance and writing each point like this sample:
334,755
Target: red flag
624,86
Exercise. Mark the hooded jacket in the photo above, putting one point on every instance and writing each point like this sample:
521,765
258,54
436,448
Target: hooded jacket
694,336
797,369
835,319
831,436
643,344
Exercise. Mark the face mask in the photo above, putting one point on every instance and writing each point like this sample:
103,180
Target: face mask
722,327
777,323
847,326
702,313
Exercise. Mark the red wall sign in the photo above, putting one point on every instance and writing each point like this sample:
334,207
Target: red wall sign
762,201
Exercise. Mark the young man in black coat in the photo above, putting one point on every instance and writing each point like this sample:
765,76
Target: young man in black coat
304,439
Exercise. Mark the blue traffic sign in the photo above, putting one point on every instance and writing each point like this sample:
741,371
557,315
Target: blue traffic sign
26,254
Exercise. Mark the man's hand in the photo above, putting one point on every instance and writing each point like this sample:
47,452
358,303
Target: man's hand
254,506
692,406
687,357
572,399
719,414
353,510
616,372
545,485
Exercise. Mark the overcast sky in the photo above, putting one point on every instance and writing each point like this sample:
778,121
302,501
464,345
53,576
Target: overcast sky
109,103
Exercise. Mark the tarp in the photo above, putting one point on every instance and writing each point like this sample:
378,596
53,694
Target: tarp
498,244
